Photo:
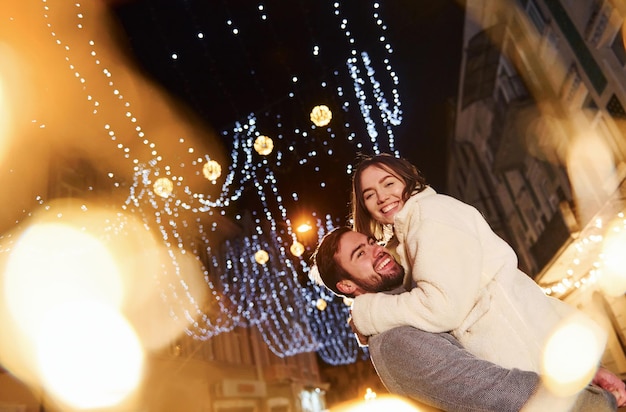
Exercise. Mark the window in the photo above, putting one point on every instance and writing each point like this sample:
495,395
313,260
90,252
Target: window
535,16
618,48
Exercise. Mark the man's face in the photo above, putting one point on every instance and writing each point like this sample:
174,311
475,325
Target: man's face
371,267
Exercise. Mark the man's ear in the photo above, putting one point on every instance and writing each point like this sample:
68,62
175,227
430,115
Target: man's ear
346,287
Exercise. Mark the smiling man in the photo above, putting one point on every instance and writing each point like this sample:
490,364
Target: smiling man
433,368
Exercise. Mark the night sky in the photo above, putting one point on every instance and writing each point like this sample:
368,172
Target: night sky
224,78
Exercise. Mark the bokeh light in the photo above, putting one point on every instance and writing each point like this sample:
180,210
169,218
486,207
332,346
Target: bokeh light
613,278
382,403
591,170
89,355
263,145
212,170
54,263
296,248
261,257
572,355
80,302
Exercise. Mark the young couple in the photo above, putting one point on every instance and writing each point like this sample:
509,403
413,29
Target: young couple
460,327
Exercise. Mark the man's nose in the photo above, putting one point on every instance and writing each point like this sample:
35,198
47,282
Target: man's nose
377,249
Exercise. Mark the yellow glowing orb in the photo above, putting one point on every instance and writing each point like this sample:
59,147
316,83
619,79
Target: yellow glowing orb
212,170
321,115
263,145
571,355
261,257
90,356
163,187
297,249
321,304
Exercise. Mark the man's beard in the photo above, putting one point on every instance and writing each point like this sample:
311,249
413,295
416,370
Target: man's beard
385,283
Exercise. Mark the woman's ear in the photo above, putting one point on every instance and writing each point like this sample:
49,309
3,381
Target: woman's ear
345,286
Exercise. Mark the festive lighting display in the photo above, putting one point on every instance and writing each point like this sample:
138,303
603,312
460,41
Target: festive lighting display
245,288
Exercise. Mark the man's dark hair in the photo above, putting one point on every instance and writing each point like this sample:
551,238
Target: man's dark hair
330,272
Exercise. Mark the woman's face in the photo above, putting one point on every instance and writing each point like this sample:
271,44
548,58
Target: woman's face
382,193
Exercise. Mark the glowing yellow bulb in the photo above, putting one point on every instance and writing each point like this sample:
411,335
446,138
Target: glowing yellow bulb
321,304
263,145
321,115
212,170
261,257
297,249
163,187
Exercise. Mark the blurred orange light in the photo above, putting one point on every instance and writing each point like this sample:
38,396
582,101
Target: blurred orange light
305,227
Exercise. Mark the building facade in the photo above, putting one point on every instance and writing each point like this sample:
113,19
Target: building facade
539,144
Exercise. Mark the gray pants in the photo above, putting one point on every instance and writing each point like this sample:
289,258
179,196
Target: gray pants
435,370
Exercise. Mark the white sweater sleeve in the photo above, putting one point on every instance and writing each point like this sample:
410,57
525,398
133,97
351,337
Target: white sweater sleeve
446,265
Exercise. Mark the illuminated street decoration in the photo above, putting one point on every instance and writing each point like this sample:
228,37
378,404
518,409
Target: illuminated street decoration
296,248
263,145
268,295
212,170
163,187
321,115
261,257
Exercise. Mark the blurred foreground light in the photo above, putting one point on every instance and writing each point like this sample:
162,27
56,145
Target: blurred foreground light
591,169
5,120
305,227
572,355
53,263
16,95
78,258
89,355
613,278
381,403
